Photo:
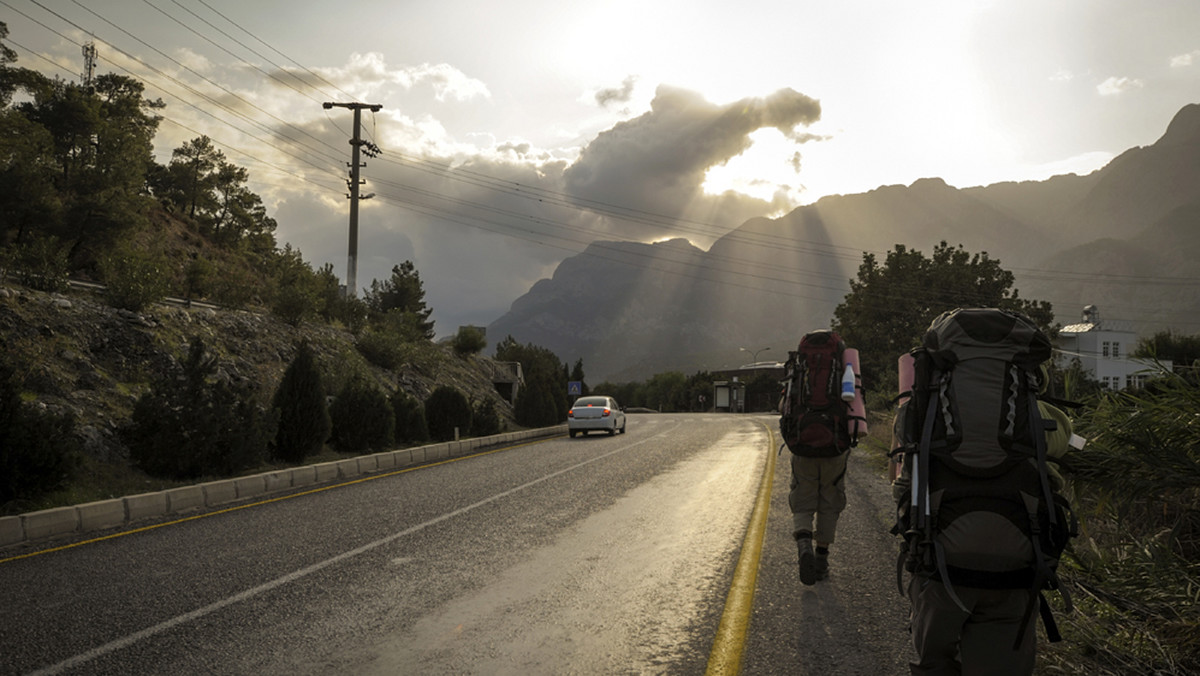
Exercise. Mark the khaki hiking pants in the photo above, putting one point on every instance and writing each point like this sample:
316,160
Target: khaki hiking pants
818,495
950,642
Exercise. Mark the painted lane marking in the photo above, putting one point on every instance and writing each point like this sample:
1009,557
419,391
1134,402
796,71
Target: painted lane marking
126,641
730,641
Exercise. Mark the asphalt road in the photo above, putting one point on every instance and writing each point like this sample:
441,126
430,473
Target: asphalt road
594,555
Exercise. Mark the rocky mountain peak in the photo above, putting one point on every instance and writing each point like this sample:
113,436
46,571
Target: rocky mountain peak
1184,128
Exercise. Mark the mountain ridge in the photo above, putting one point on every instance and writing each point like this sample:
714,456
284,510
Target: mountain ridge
1121,237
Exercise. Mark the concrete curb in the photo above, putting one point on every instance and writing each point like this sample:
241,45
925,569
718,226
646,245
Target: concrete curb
116,512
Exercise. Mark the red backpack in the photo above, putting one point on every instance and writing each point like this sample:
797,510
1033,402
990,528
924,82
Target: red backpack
813,415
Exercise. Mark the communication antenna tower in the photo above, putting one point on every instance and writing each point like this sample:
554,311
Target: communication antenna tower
89,62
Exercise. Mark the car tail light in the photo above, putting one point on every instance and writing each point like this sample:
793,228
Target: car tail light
571,413
605,414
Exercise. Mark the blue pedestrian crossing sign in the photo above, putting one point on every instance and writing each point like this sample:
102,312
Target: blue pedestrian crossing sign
574,388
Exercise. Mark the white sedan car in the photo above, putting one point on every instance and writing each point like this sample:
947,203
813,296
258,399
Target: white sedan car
596,413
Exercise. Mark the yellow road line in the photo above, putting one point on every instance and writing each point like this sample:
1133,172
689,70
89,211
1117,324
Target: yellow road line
268,501
730,641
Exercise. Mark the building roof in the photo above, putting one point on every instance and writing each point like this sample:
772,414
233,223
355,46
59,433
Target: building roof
1107,325
1079,328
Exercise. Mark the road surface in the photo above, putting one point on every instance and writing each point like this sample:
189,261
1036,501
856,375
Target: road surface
594,555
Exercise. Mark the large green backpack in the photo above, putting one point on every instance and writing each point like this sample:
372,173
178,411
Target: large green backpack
981,509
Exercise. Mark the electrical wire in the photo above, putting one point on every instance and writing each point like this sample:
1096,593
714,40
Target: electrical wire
535,194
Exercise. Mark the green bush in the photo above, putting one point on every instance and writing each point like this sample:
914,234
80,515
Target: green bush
445,409
410,418
536,406
41,263
133,278
197,278
362,417
235,288
191,426
484,419
469,340
293,304
37,449
304,422
381,349
1136,486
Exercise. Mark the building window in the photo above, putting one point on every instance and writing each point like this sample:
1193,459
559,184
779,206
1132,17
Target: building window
1116,350
1104,351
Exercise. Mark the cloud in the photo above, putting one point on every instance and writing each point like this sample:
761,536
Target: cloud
370,73
623,94
1185,60
657,162
1115,86
483,218
447,81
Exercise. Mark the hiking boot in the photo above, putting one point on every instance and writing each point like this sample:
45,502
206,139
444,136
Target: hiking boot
821,565
808,561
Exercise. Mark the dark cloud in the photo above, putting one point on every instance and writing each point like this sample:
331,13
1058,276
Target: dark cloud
482,229
657,162
623,94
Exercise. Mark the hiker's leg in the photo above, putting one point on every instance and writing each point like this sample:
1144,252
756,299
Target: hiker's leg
804,496
988,637
937,624
831,497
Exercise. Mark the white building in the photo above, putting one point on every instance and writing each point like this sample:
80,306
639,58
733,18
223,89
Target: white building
1103,349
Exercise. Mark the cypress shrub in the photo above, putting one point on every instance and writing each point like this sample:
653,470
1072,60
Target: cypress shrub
304,423
445,409
36,448
484,419
190,426
410,418
536,405
362,417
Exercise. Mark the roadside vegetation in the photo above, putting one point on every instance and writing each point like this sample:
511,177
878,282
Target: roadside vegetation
82,197
1134,571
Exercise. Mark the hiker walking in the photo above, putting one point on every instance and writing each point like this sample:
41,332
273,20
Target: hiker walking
978,500
821,417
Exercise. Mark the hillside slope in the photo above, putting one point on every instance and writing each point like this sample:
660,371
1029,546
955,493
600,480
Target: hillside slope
75,354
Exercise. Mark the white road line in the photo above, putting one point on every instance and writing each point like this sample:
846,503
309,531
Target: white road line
211,608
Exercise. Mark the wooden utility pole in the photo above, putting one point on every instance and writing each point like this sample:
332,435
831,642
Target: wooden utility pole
356,143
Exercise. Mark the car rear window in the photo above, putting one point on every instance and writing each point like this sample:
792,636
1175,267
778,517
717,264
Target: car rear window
591,401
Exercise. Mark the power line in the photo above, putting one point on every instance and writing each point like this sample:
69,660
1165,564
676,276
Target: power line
204,78
545,197
168,92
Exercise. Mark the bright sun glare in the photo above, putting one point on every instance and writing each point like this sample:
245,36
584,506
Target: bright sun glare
761,171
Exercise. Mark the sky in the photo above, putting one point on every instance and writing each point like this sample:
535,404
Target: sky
513,134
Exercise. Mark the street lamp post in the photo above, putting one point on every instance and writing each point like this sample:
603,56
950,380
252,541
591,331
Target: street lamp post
754,354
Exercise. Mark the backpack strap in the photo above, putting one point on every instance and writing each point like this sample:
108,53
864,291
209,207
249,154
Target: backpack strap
939,554
920,478
1052,633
